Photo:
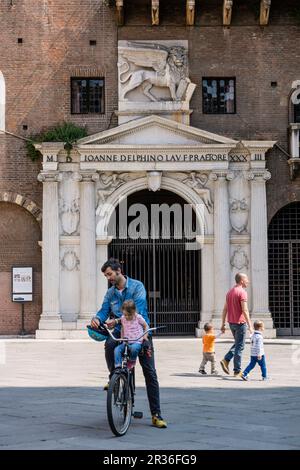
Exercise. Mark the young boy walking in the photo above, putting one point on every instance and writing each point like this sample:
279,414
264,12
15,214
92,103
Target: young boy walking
208,340
257,352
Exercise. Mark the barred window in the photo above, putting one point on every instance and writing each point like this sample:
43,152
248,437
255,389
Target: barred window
218,95
87,95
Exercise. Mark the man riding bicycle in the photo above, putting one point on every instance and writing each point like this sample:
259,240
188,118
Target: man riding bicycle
124,288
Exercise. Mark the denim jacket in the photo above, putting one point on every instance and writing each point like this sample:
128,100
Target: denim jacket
113,300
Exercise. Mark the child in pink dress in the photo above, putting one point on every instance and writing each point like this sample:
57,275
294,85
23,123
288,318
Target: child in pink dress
133,326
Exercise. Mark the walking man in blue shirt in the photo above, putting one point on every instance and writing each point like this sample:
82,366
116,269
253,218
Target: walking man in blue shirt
124,288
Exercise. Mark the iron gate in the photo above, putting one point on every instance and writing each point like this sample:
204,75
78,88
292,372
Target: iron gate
284,270
170,273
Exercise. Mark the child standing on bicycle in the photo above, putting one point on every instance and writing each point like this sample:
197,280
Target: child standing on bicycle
133,326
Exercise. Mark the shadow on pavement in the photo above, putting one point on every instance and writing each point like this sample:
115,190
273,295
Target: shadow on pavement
198,418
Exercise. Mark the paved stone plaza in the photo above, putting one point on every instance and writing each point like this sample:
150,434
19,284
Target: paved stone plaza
51,398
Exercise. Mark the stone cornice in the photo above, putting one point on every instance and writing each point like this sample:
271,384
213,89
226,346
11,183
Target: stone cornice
258,145
136,125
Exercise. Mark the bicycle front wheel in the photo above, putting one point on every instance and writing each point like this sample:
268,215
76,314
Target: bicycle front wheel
119,404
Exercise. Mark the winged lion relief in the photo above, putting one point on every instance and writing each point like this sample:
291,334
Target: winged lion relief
148,65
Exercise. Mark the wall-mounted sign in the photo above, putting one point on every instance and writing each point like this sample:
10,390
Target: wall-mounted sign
22,283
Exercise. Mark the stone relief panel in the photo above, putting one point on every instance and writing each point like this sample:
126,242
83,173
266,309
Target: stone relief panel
239,198
69,205
239,259
154,71
109,182
70,261
200,183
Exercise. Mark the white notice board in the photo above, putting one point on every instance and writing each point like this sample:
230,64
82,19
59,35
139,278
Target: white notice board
22,284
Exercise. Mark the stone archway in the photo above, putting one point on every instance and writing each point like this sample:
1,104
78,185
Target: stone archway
162,257
168,184
284,268
20,236
205,223
28,204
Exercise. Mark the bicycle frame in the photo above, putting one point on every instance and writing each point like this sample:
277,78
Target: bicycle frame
125,357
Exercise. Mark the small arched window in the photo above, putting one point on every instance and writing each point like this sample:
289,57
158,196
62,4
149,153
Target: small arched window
294,127
2,102
295,102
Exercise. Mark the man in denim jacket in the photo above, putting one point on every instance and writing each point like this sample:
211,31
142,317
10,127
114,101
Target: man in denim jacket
124,288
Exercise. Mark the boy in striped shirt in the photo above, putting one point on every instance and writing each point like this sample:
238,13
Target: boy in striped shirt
257,352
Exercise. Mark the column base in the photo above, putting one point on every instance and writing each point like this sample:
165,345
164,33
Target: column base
50,322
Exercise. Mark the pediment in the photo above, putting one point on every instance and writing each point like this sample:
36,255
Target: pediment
151,131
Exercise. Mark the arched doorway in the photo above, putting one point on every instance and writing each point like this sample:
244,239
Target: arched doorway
284,269
170,272
19,234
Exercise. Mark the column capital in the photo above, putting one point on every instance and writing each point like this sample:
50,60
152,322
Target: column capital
259,175
221,175
87,176
49,177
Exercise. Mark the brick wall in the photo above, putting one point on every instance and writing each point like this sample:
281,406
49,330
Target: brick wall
256,56
20,233
56,46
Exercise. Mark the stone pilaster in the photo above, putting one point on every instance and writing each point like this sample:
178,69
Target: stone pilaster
50,318
259,246
207,288
88,283
221,239
102,256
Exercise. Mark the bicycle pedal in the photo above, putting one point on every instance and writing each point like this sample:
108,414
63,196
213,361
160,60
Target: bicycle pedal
138,415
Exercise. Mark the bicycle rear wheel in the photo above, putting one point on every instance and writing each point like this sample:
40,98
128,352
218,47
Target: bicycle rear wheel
119,404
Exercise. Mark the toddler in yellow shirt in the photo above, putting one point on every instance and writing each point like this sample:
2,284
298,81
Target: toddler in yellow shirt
208,340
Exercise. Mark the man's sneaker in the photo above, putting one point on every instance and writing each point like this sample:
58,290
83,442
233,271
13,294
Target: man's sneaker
158,421
238,374
215,372
106,386
202,372
224,365
265,378
244,377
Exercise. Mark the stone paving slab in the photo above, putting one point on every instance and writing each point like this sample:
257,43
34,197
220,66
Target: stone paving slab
51,397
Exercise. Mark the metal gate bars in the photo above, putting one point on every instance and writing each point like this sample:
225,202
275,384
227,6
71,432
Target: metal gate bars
284,270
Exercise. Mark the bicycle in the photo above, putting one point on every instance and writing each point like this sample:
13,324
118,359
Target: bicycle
121,391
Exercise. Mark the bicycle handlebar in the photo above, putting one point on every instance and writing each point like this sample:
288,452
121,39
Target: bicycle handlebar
133,340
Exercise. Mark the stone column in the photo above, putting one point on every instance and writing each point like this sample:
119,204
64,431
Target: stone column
207,283
102,256
259,246
50,318
221,239
88,263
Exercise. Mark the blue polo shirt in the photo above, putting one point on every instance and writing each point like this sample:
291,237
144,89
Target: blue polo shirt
114,298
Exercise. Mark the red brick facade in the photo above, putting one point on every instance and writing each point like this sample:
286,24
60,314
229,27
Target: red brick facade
56,46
